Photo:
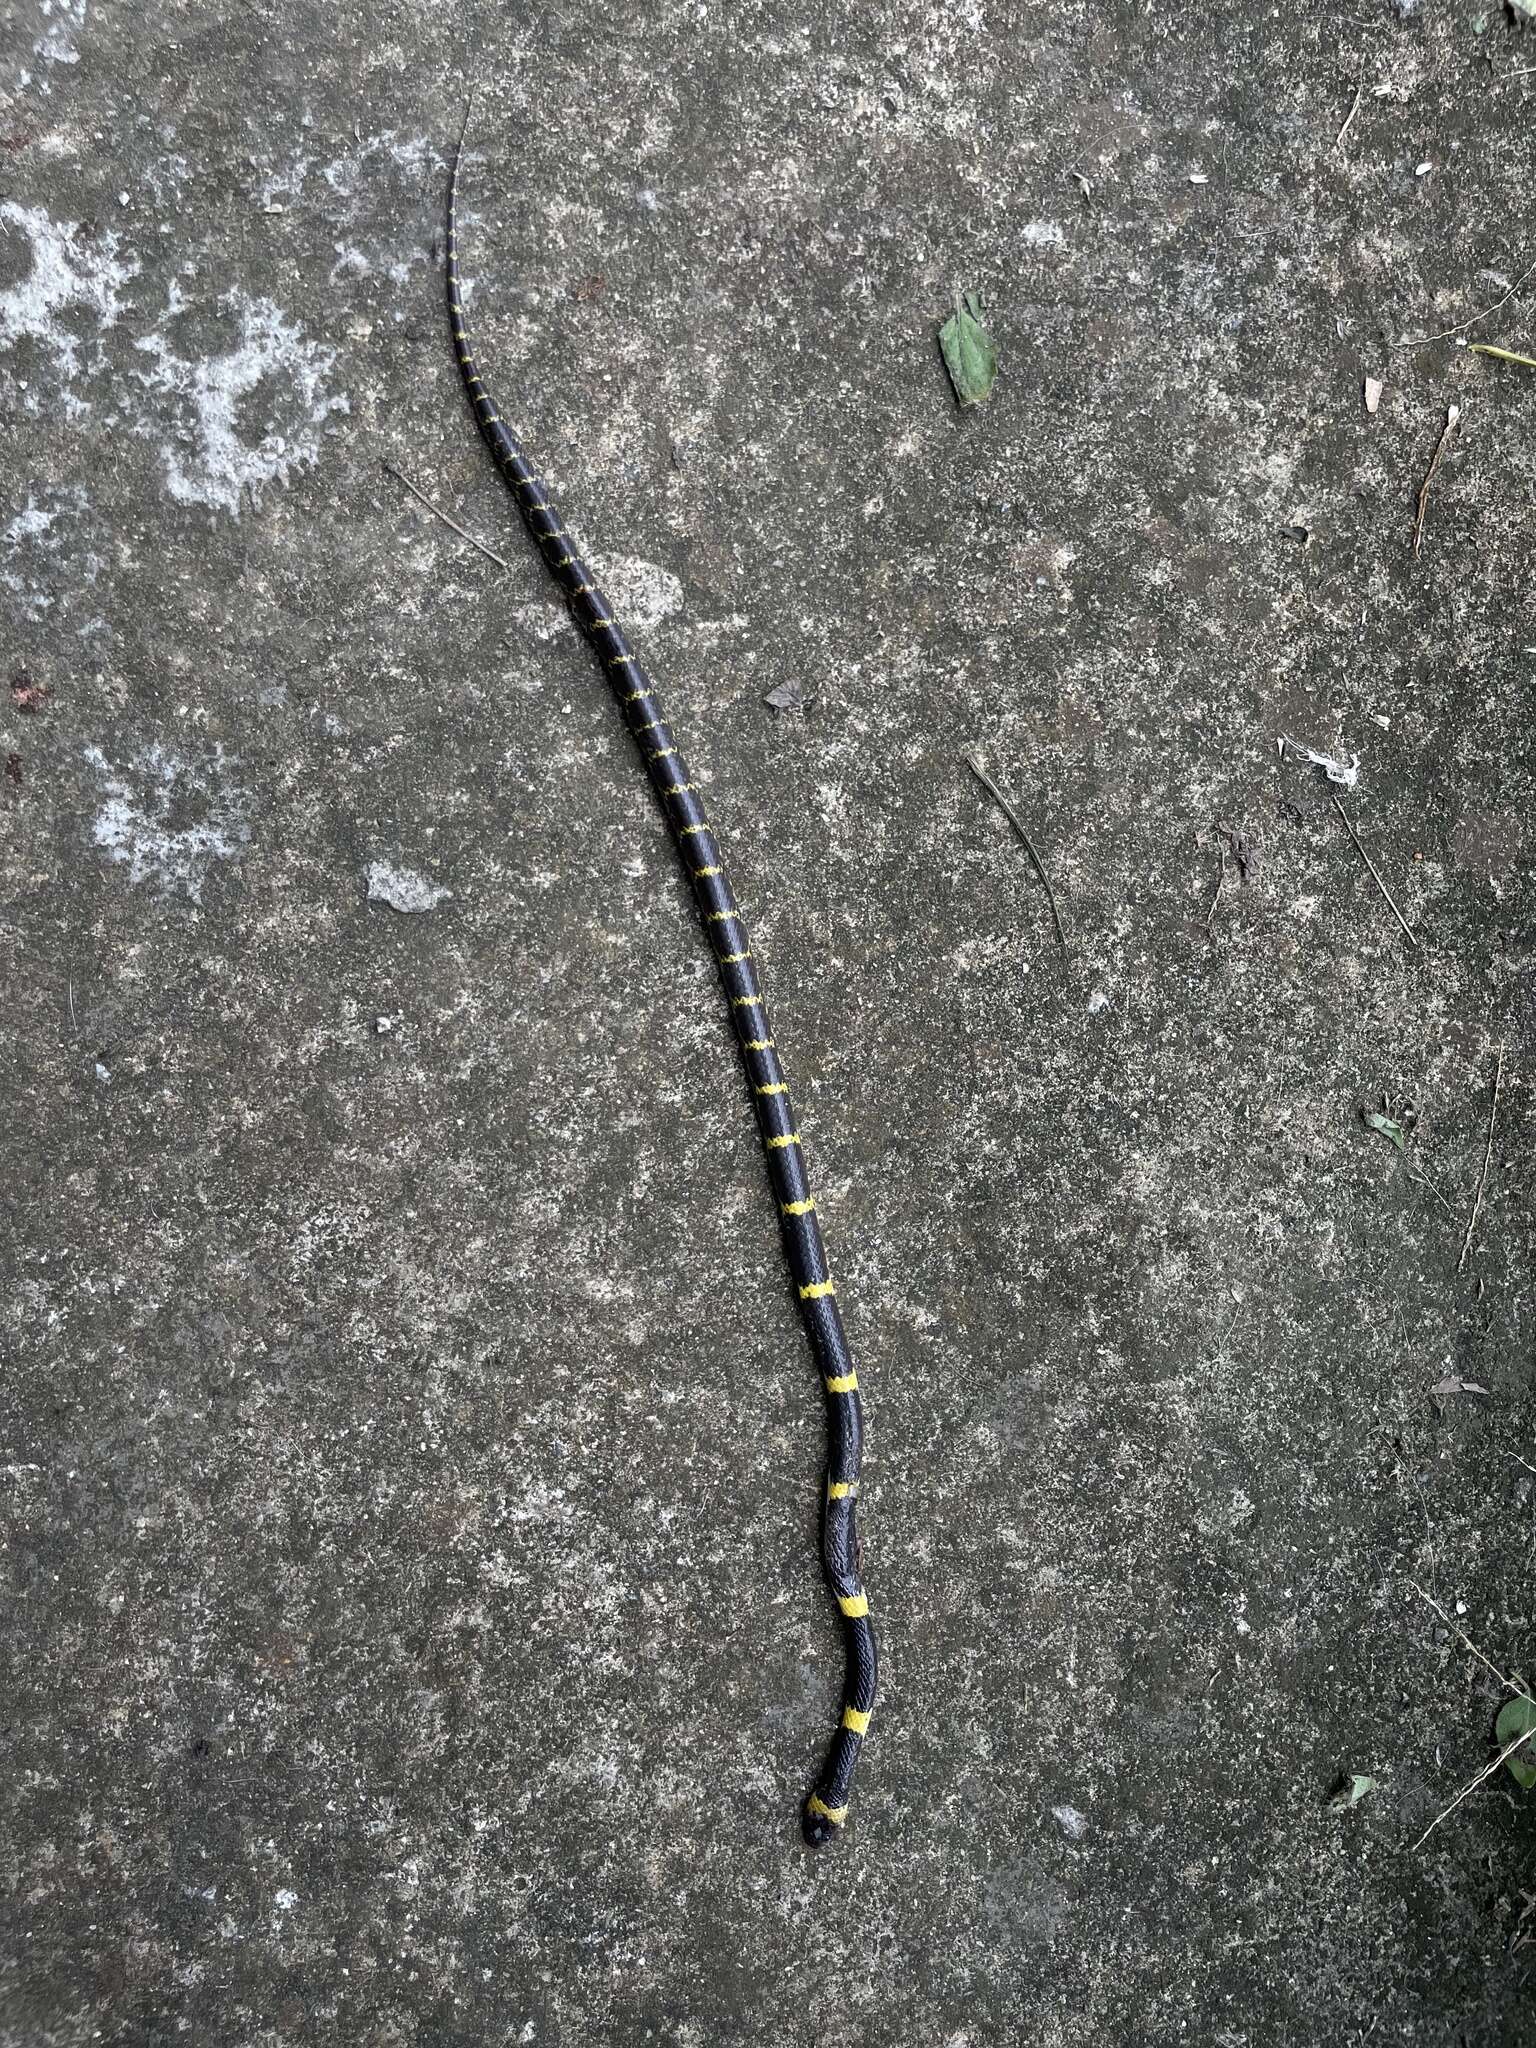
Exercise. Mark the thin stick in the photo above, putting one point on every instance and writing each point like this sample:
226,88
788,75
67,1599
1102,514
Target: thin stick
1504,1754
1482,1178
1452,415
1477,318
1221,882
439,513
1338,140
1509,1684
1381,885
1422,1180
74,1022
1012,816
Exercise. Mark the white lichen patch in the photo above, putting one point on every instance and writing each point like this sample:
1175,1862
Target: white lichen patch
212,455
57,44
167,817
67,270
642,593
403,888
36,542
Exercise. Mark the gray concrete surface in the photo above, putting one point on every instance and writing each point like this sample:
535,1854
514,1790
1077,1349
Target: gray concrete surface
410,1455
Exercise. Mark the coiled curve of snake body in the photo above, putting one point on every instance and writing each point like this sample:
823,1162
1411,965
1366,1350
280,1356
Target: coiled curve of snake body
826,1806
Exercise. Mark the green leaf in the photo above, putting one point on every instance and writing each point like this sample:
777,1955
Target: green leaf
970,355
1377,1122
1517,1717
1351,1790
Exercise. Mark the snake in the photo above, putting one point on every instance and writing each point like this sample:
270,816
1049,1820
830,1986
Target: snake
825,1810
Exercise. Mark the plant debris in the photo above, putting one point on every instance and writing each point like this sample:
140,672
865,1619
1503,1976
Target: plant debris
1350,1789
1387,897
1517,1717
1502,355
970,354
788,696
1452,415
1241,848
1388,1127
1482,1179
1373,390
1452,1384
1014,820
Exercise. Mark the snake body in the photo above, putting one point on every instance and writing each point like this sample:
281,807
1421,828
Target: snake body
825,1810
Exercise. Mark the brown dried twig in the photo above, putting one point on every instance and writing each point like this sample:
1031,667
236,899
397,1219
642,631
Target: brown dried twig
1012,816
438,513
1482,1179
1375,875
1452,415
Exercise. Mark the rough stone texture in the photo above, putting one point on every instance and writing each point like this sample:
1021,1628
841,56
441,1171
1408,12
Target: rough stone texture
410,1453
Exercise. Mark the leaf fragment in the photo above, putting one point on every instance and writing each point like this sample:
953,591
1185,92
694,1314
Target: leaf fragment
1388,1127
1350,1790
1517,1717
970,354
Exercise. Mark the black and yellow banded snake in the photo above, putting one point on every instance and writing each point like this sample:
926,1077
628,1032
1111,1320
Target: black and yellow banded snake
825,1810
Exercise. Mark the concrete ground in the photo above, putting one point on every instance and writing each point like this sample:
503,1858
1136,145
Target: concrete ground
410,1453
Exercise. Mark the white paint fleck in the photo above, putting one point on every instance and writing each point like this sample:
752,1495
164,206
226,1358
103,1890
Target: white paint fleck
272,360
31,566
285,1900
1073,1823
1099,1000
65,272
403,888
103,1073
30,523
1345,773
167,817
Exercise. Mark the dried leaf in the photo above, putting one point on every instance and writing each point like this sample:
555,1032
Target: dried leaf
788,696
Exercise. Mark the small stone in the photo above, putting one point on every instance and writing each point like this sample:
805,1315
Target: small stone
403,889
